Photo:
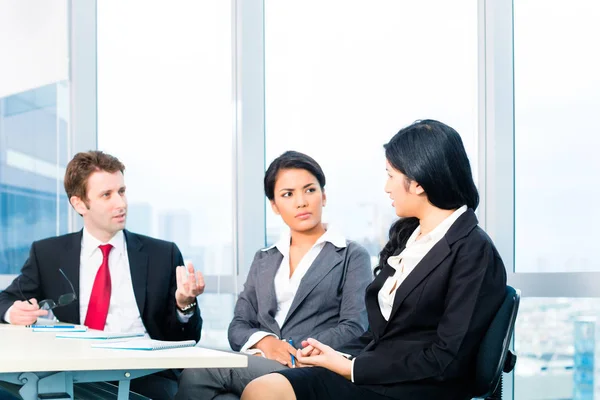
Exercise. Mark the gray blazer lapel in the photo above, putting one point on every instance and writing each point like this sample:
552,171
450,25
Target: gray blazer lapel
265,288
327,260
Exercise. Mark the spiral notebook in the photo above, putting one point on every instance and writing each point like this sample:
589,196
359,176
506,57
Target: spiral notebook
146,344
97,335
59,328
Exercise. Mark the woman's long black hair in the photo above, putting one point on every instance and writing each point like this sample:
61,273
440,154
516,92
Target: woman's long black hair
432,154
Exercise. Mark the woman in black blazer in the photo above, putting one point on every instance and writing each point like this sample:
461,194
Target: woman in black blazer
438,286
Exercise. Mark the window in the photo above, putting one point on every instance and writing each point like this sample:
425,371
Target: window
165,110
556,139
557,341
339,91
544,229
34,122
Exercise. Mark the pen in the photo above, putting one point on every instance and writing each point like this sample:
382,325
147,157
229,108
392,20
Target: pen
54,326
291,342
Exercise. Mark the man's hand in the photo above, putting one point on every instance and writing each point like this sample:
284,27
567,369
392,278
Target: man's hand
23,313
324,356
188,287
278,350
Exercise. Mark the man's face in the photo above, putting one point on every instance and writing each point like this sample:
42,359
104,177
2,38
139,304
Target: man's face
106,209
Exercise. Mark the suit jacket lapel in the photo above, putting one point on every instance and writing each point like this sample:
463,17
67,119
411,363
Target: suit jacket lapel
430,262
372,296
265,288
138,265
376,320
70,261
459,229
327,260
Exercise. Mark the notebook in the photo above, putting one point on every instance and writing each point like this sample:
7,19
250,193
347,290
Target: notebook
146,344
60,328
97,335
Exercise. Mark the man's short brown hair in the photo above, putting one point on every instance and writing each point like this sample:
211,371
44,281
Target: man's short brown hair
83,165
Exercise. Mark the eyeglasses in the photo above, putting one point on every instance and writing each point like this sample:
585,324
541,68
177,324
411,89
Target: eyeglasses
49,304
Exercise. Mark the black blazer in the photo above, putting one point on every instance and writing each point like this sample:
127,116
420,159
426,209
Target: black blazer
440,314
152,263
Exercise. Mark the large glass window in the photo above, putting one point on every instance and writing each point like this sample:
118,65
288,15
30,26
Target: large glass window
34,115
342,77
558,342
557,86
165,109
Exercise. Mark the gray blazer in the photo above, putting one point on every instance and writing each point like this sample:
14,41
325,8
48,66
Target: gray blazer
329,305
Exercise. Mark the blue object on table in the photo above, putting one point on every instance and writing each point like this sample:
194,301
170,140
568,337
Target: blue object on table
291,342
54,326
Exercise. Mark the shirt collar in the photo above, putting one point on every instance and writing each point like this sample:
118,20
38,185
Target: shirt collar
331,235
89,243
444,226
434,236
439,231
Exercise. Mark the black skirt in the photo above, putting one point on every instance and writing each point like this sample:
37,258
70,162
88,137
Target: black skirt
320,383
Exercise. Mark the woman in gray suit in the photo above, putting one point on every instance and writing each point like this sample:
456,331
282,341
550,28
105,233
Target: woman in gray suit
311,283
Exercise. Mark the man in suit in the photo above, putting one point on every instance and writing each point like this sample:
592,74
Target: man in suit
122,281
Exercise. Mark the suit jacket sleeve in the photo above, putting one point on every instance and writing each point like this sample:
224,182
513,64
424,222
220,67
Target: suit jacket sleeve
357,344
475,291
353,313
30,284
245,314
177,330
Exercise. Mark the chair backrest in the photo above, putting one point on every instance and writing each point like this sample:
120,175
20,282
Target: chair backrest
494,356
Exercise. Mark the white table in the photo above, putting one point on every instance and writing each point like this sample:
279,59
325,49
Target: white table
46,365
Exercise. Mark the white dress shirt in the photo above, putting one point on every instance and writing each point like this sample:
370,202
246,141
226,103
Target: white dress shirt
286,286
405,262
123,312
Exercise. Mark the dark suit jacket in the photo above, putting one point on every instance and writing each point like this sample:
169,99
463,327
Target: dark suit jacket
440,314
318,310
152,263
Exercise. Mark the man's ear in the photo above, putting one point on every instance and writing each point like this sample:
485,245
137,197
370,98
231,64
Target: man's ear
78,205
274,207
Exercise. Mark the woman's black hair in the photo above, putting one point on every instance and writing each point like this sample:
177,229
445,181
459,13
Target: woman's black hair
291,160
432,154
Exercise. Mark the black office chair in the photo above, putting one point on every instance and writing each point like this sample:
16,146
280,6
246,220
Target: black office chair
494,356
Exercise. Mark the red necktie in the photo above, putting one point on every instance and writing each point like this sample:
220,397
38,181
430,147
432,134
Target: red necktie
100,297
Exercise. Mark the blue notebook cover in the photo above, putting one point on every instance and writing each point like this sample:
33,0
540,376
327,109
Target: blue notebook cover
59,328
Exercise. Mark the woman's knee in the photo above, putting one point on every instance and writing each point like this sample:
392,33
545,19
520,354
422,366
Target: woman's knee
271,386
